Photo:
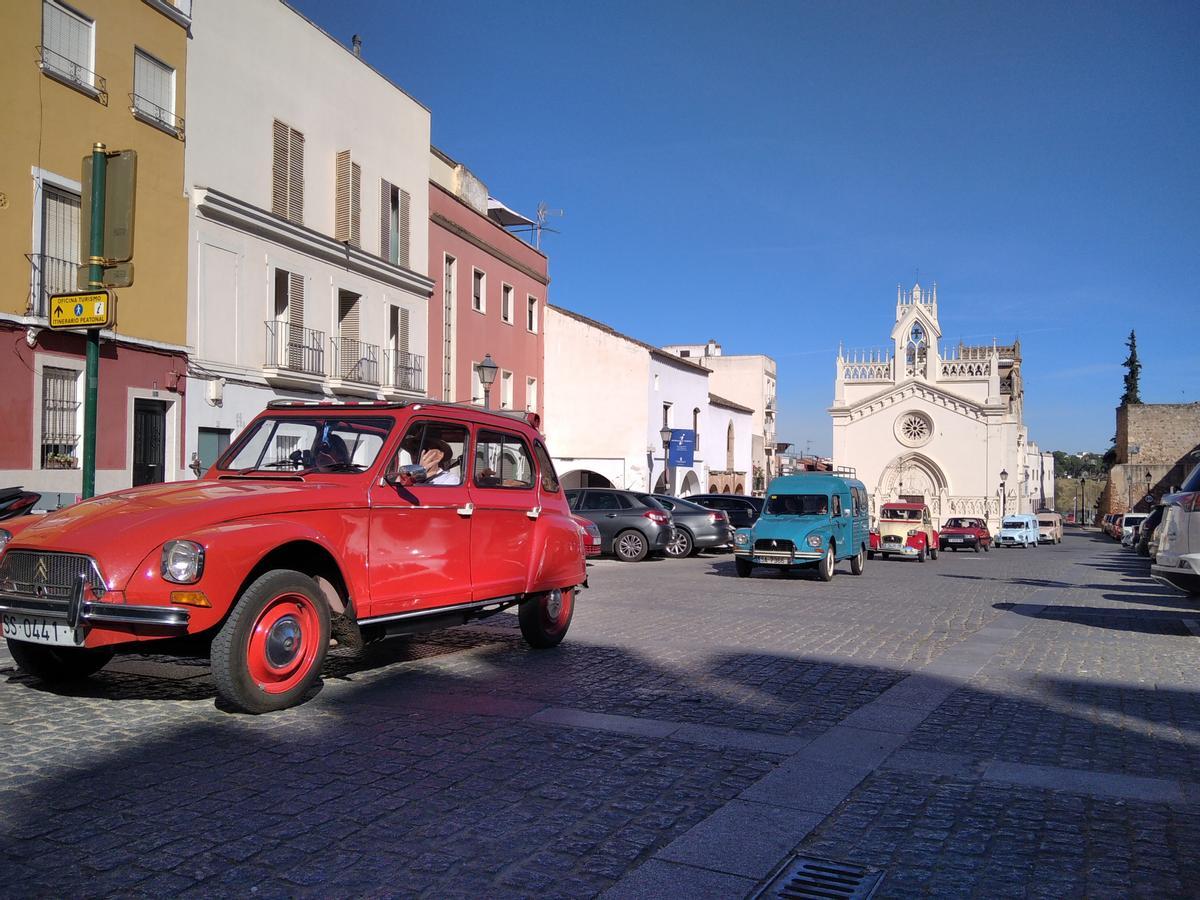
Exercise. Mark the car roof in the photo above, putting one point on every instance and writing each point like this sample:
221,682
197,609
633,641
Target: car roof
502,417
812,481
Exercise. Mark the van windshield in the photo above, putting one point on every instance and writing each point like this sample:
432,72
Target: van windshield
797,505
1015,523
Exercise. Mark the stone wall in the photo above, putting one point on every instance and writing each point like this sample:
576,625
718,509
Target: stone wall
1157,433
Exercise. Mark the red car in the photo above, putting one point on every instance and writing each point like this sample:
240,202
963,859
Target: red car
356,520
904,529
964,533
589,533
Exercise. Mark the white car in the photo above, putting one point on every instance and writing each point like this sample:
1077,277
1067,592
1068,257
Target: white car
1129,526
1177,562
1019,530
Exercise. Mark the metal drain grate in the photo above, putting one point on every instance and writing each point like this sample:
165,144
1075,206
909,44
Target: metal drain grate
808,877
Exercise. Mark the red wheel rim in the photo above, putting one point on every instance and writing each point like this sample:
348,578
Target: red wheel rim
556,610
283,643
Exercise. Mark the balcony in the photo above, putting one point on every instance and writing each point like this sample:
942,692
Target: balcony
51,276
72,74
404,372
355,365
153,114
295,354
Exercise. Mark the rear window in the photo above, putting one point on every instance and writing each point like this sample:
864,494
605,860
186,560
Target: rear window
1192,482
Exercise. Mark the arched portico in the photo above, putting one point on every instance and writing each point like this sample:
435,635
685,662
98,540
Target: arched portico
581,478
691,485
913,476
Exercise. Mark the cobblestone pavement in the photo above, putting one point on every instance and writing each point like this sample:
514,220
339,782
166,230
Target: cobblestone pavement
1018,723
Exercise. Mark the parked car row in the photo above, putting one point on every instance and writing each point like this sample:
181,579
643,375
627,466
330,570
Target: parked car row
1176,540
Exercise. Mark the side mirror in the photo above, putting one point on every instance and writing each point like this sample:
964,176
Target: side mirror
406,476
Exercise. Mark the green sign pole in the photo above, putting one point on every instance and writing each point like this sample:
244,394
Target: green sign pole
95,280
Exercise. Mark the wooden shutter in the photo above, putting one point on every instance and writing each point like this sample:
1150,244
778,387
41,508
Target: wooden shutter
355,205
385,219
405,214
279,171
296,343
402,341
348,200
295,176
348,315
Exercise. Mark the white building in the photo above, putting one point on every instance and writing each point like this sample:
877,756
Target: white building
308,173
607,399
922,421
748,380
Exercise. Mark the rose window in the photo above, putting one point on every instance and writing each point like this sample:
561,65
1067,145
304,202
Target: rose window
914,429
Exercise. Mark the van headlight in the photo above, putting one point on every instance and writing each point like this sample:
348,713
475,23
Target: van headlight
814,541
182,561
5,537
741,538
912,532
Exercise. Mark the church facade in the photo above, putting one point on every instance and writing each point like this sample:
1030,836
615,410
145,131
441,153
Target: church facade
944,425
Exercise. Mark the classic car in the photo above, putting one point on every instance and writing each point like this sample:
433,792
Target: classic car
351,520
809,520
1019,530
964,533
904,529
1050,528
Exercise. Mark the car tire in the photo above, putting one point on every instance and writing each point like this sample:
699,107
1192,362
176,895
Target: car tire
977,546
681,545
744,567
933,552
987,548
921,555
546,616
59,665
826,565
269,652
631,546
858,562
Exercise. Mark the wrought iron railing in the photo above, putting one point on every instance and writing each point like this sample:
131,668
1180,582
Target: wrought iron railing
151,112
295,348
70,72
51,276
354,360
405,371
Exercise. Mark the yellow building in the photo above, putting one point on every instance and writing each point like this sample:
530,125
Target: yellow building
76,73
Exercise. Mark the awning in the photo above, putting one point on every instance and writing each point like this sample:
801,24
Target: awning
502,215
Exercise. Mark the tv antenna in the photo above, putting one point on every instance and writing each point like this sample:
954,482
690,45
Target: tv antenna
543,211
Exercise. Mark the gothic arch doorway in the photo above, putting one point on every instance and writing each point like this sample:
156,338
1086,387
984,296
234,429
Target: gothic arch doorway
914,477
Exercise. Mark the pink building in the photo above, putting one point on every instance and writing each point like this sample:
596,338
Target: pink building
488,298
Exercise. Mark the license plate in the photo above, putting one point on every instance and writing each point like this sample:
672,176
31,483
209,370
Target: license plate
954,540
39,630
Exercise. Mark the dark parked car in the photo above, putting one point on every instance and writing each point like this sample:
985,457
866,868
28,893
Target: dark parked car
1146,532
632,524
742,511
696,527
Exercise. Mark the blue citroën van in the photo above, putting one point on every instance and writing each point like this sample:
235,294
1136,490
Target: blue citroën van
810,520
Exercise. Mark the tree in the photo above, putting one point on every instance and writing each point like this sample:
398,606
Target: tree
1133,370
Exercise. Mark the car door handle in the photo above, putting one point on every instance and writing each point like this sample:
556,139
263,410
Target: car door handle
610,515
534,513
466,511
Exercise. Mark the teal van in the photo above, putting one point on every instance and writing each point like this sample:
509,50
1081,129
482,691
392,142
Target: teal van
810,520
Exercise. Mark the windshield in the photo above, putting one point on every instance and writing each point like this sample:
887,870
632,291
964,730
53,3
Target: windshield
963,523
797,505
1046,523
321,443
901,515
1015,523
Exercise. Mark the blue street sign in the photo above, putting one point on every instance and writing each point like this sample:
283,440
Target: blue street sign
683,448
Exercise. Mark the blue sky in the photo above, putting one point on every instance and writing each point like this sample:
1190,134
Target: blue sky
765,173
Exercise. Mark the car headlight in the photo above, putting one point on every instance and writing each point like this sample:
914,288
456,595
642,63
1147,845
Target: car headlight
182,561
5,537
912,532
741,538
814,541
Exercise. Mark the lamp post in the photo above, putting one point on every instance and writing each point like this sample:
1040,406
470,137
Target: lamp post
1003,495
665,434
1149,484
487,375
1082,498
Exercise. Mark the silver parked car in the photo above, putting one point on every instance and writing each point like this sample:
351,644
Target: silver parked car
1177,562
696,527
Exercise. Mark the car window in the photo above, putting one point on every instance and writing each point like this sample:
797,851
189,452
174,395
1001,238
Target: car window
601,500
797,505
549,476
665,503
837,505
329,443
502,461
438,446
574,498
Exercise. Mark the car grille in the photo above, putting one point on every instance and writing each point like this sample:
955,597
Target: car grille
771,545
49,576
893,539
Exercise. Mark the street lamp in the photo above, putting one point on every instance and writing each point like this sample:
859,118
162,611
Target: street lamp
1003,495
1149,484
1082,499
665,434
487,374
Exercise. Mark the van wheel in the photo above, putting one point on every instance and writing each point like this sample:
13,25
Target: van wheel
545,617
825,566
59,665
857,563
744,567
630,546
269,652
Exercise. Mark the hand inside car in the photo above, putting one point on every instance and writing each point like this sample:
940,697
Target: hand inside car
431,459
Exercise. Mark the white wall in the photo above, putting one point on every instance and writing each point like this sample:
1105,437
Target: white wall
595,400
718,420
685,387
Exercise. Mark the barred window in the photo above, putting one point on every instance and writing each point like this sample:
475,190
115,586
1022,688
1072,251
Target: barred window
60,418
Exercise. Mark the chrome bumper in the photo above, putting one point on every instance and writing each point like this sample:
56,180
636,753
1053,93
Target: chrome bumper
78,611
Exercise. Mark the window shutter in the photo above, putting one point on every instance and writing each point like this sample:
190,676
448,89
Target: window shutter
341,203
296,342
405,212
295,200
348,316
279,171
403,340
385,219
355,205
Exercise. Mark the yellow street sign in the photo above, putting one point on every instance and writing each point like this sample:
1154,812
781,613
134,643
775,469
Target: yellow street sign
93,309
